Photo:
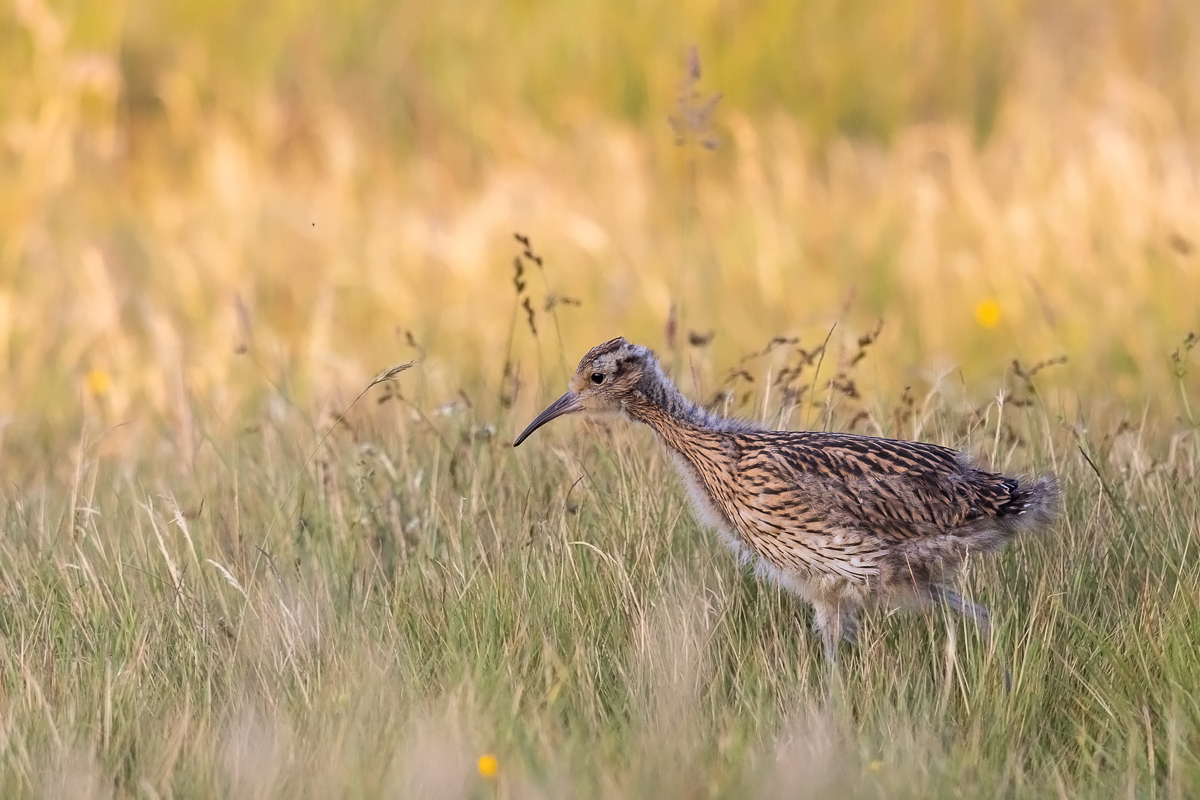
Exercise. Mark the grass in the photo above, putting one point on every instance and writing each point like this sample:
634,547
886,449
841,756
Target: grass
431,595
223,575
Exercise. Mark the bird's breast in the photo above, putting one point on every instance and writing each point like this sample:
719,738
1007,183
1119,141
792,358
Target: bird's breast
703,499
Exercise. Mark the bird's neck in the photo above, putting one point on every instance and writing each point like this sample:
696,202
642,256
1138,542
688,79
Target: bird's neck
677,420
699,439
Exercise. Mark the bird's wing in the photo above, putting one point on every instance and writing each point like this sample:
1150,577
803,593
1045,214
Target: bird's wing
888,489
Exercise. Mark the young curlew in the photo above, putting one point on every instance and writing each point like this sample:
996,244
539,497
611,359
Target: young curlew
838,519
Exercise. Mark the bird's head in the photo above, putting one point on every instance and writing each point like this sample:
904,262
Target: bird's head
606,378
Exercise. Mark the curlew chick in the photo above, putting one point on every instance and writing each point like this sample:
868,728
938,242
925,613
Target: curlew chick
838,519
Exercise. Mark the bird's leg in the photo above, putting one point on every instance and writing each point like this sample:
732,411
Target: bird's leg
834,622
827,621
974,611
830,642
977,612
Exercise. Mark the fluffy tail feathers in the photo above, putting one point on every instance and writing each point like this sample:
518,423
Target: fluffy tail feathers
1033,503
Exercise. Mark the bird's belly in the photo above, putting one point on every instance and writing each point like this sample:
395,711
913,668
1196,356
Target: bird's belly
810,582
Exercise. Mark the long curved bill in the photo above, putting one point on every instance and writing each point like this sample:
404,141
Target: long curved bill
566,404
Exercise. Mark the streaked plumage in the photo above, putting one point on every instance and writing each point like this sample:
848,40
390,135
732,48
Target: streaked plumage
841,520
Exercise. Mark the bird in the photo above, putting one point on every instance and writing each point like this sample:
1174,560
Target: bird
843,521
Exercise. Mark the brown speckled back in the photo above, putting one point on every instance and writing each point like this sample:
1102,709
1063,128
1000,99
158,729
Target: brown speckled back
841,520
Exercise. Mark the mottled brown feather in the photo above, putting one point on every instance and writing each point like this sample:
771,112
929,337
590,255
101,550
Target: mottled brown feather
840,519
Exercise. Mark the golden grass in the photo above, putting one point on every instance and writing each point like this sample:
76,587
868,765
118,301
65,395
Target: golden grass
218,222
188,256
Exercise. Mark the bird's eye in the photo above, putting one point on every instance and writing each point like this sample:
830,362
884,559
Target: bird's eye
597,378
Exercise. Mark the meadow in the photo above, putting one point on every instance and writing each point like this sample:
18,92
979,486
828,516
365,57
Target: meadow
280,284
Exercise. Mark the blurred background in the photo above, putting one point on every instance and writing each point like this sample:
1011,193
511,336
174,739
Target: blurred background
207,207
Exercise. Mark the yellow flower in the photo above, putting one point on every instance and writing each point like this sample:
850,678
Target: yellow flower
987,313
99,382
488,765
